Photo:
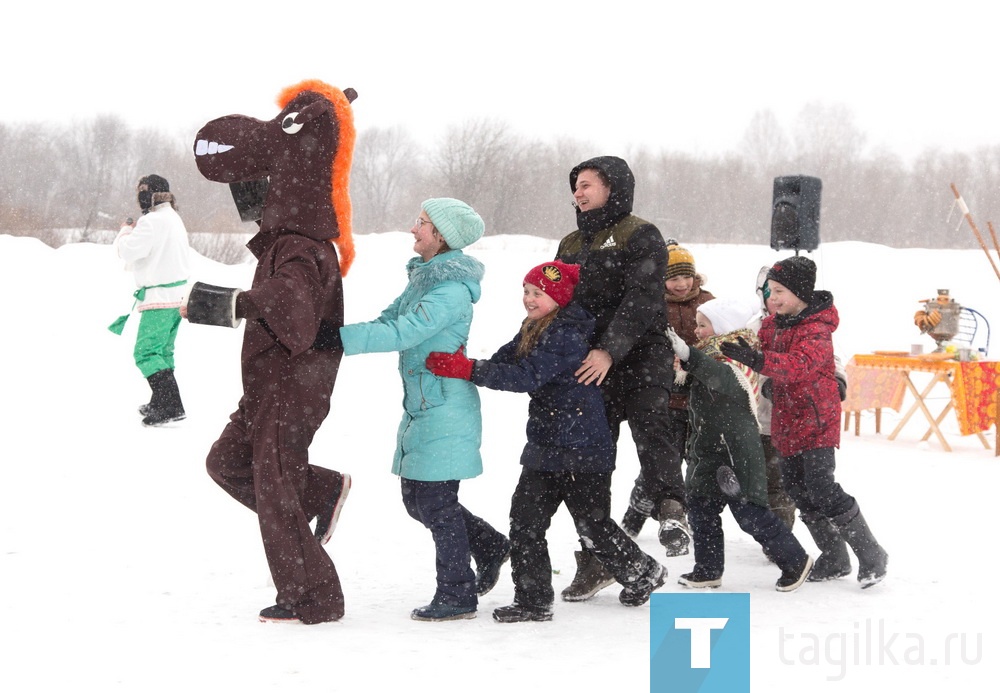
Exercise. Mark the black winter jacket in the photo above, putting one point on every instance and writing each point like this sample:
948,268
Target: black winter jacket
623,269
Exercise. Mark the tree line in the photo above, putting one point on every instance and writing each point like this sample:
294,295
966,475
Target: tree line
82,176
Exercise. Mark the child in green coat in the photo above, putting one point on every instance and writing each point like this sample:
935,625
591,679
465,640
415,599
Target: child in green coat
725,461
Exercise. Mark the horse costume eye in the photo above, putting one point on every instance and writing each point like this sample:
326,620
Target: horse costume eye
289,125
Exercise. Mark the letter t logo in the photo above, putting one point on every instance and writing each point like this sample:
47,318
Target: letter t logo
701,638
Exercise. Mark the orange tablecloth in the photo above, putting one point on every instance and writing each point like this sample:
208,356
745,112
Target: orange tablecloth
879,381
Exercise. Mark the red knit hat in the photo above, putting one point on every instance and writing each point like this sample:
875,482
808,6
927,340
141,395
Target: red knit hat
557,279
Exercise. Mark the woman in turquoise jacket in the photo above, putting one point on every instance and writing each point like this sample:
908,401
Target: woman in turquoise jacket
438,441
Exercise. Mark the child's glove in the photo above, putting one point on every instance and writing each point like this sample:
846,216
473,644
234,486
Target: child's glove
681,349
447,365
744,353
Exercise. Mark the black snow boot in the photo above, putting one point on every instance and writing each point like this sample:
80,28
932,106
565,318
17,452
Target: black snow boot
834,560
873,560
165,406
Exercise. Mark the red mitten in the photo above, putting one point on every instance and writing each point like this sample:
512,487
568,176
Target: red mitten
447,365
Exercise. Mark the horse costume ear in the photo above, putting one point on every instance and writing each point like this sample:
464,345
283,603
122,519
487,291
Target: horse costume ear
350,94
314,110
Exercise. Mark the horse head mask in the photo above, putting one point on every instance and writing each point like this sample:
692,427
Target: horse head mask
304,155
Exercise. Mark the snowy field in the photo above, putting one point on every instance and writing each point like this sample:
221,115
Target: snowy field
125,568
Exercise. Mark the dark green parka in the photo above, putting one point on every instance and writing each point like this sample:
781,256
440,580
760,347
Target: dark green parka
721,424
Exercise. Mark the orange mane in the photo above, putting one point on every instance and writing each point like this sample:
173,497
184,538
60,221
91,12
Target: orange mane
341,173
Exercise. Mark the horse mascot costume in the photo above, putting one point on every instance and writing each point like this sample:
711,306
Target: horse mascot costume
291,175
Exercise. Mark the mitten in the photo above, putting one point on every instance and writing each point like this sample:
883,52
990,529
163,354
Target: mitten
681,349
211,305
447,365
328,337
744,353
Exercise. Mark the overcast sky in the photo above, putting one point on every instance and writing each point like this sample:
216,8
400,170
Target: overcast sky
685,76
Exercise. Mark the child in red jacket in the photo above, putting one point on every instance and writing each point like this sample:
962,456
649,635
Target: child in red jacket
797,343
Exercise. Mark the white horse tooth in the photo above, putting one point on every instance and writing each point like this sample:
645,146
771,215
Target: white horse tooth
213,147
200,148
225,147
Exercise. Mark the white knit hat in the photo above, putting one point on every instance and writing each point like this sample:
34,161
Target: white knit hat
455,220
730,314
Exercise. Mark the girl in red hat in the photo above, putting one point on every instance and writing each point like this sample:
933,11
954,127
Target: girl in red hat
570,453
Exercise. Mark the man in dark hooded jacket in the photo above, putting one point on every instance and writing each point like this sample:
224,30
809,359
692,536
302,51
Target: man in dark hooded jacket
623,263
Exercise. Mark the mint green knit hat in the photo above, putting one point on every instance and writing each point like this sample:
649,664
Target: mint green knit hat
455,220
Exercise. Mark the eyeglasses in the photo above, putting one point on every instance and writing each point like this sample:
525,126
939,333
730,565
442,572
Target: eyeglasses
419,223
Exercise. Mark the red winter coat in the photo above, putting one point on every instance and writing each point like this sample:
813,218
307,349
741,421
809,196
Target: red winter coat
798,357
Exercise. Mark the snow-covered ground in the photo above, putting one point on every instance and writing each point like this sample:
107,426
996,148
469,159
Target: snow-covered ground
125,568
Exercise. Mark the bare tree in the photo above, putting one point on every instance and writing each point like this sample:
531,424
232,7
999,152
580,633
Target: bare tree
384,159
765,145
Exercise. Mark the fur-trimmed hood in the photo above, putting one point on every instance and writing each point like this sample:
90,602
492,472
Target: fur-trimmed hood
451,266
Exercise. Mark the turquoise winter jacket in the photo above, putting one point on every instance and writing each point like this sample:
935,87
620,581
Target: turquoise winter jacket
441,430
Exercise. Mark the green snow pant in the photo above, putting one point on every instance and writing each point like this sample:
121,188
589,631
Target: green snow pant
154,344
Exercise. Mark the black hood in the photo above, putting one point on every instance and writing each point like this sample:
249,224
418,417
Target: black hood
619,203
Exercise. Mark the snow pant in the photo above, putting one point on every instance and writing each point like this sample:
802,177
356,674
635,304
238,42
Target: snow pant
154,342
588,499
262,460
648,501
808,478
459,536
777,497
774,536
657,445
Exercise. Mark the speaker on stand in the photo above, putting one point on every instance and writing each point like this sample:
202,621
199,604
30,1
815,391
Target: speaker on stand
795,213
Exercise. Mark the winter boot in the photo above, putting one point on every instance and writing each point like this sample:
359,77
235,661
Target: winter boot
638,592
873,560
442,612
791,579
591,577
326,521
278,614
165,405
834,561
700,580
675,534
632,522
519,613
488,573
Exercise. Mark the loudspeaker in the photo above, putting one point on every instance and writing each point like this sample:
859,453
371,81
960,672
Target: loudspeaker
795,212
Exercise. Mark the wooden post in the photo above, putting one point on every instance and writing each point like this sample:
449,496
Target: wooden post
975,230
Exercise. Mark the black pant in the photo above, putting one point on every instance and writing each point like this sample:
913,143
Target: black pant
645,499
705,516
659,449
458,537
588,499
808,478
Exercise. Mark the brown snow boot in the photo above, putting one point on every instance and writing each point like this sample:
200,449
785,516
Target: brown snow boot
591,577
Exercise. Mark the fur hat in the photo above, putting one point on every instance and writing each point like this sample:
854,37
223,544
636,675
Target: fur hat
680,262
729,314
797,274
455,220
557,279
155,183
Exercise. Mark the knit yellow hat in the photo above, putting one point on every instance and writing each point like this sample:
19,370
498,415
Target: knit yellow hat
680,262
